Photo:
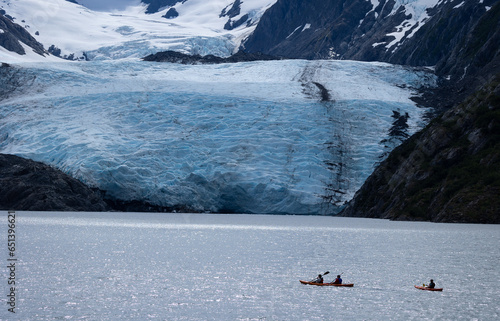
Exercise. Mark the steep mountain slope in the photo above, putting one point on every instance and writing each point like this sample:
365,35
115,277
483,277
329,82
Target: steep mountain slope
15,38
371,30
449,172
459,38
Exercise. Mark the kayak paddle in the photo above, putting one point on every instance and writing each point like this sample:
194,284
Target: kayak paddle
322,275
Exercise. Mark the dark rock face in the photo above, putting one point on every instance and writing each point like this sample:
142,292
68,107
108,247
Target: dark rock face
171,13
53,50
283,30
12,36
464,46
155,5
177,57
475,56
31,186
231,11
230,24
315,29
449,172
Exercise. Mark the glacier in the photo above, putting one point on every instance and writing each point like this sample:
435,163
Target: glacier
253,137
289,136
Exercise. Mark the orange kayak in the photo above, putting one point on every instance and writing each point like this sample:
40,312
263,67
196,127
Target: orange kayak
428,289
327,284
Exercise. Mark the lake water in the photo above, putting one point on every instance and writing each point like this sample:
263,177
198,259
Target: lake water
138,266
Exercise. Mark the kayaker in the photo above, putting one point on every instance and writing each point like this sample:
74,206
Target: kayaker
319,279
431,284
338,280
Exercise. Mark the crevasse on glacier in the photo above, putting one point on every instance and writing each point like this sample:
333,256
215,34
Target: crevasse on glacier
248,137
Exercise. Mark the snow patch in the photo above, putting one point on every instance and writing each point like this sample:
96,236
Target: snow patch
291,34
415,11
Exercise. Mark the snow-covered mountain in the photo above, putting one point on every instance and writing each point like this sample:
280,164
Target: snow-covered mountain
328,29
119,29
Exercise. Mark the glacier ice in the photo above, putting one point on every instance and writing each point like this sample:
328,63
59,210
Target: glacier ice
247,137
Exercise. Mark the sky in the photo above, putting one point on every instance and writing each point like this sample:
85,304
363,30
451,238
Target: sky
100,5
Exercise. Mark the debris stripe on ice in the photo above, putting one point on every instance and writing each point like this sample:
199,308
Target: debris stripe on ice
211,137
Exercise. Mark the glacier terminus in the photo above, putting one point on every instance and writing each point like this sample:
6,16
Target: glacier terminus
253,137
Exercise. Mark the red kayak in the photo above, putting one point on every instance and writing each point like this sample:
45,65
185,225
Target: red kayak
327,284
428,289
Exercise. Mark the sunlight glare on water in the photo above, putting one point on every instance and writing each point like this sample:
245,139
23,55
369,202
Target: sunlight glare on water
137,266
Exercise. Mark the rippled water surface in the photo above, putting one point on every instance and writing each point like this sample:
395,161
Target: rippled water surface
136,266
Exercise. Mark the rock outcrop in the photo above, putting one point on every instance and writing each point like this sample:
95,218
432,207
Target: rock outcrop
13,35
31,186
180,58
307,29
156,5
